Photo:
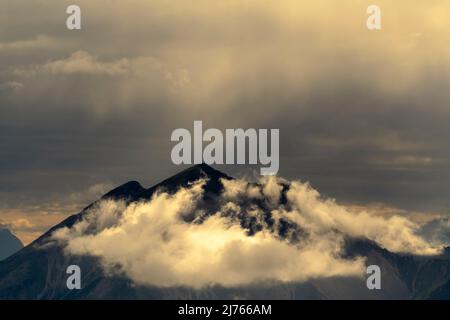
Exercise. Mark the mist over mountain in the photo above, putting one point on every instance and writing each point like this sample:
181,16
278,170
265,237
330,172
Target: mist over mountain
9,243
204,235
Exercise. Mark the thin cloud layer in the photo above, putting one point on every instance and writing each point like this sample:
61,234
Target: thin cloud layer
158,243
38,42
9,86
80,62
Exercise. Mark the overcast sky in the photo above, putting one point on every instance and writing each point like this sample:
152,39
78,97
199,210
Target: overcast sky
364,116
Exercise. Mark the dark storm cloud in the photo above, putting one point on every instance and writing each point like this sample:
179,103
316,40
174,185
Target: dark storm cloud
363,116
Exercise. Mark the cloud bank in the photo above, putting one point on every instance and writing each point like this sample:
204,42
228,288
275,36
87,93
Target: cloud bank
172,240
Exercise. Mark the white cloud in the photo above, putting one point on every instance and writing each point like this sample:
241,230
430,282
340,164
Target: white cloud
272,190
154,245
395,233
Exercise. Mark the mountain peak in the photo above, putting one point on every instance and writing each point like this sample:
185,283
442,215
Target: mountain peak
9,243
133,191
130,189
189,175
206,170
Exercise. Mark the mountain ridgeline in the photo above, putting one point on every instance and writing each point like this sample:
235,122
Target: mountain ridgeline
38,271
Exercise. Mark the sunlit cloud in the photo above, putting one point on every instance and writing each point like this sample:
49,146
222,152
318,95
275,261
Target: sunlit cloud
171,241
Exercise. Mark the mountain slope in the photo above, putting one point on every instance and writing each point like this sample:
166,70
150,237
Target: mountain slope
9,243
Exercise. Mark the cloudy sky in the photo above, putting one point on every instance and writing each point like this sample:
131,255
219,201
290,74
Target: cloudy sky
363,115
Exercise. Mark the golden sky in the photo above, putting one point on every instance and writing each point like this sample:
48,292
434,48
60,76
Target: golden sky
363,115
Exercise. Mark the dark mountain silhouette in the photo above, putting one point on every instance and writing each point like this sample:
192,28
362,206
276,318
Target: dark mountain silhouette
38,271
9,243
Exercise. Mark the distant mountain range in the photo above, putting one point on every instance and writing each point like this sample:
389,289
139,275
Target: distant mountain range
38,270
9,243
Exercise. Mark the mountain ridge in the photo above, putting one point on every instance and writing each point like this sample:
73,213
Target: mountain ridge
38,270
9,243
